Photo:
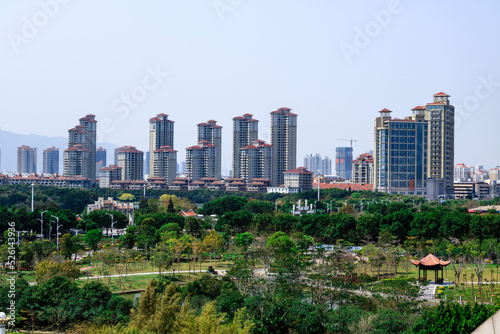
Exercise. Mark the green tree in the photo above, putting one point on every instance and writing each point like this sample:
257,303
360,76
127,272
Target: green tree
212,243
92,238
67,246
453,317
127,197
243,240
220,206
46,270
129,239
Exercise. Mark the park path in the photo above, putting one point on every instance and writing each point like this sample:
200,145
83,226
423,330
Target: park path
222,272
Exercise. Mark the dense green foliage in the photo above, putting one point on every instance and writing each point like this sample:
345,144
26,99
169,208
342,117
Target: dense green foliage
58,302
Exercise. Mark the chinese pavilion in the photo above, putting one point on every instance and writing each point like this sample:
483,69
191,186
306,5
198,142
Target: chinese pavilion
430,263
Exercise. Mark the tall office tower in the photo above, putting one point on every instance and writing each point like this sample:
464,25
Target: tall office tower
284,142
85,134
183,167
212,133
441,149
51,160
108,175
362,169
318,165
256,161
201,161
131,160
161,133
76,161
400,161
100,158
26,159
245,132
343,162
165,163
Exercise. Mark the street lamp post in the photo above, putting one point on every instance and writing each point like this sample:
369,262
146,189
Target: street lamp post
75,230
57,232
50,227
32,196
112,223
41,228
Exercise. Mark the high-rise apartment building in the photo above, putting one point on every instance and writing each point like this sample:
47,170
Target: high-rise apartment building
462,173
108,175
400,161
100,158
212,133
161,133
165,163
362,169
51,160
76,160
131,160
343,162
245,132
284,142
318,165
26,159
441,149
256,161
201,161
85,134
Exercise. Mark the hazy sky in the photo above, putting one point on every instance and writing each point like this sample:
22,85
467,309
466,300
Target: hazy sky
335,63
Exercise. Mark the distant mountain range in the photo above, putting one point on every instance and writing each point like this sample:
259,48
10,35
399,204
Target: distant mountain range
10,141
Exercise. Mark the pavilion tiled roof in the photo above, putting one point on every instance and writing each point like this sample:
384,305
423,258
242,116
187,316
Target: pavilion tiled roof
430,261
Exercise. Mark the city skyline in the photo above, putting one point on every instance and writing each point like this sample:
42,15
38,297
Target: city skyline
333,67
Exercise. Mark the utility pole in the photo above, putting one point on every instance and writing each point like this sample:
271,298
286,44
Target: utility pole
57,232
41,221
32,196
317,178
112,223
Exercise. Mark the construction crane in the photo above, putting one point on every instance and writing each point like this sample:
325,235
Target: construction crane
350,140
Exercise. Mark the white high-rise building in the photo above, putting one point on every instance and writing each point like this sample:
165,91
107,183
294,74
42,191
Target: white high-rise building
318,165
